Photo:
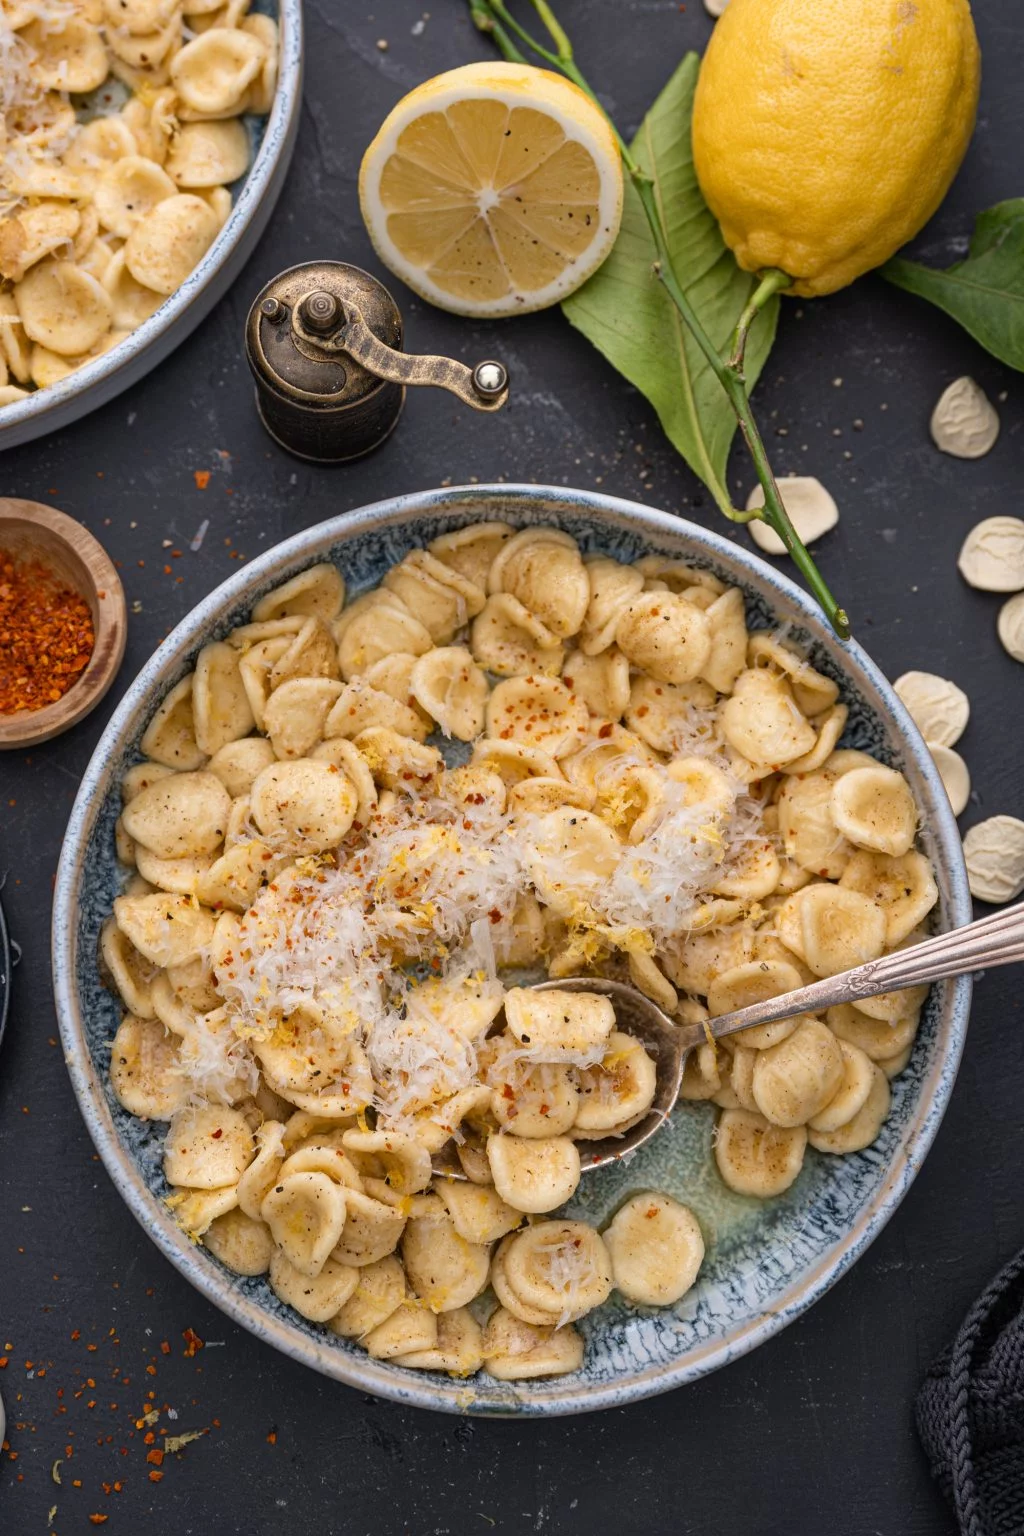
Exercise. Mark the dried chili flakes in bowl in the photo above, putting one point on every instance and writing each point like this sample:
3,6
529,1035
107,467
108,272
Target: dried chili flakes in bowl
46,635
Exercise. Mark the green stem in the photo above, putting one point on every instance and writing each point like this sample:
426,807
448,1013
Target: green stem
771,283
485,21
729,372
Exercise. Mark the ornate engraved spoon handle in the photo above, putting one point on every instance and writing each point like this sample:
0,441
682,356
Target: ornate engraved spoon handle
995,940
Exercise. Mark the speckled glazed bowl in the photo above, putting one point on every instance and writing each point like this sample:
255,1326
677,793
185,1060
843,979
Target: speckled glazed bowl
273,141
766,1263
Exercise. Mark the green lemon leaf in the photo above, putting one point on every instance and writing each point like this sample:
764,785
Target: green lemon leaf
624,310
985,292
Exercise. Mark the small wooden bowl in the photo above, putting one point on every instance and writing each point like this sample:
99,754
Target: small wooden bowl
29,530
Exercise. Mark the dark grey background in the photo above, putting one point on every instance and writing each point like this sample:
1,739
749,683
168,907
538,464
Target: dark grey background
812,1432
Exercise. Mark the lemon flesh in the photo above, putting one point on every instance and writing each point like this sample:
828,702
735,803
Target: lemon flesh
493,189
827,132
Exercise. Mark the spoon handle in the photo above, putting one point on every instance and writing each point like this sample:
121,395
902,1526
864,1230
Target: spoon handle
994,940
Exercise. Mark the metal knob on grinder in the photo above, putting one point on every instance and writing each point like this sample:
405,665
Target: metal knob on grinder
324,342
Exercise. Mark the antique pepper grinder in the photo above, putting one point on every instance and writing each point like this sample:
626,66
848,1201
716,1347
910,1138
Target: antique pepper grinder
324,342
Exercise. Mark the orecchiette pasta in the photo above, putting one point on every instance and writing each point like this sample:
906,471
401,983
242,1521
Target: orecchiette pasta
104,217
355,821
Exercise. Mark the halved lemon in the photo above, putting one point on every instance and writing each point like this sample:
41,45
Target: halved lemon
493,189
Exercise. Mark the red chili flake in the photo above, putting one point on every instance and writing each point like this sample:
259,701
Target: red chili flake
165,1348
96,1519
156,1477
217,1134
193,1343
156,1456
272,1437
202,478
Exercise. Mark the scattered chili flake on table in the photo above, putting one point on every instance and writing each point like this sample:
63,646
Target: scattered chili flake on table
46,635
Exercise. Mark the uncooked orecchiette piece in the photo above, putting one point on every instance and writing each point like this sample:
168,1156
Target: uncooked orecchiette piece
443,1268
561,1268
666,636
245,1246
559,1026
852,1093
479,1213
755,1157
798,1077
220,705
471,551
410,1327
763,721
509,640
167,930
317,1297
938,708
305,799
533,1176
169,241
126,191
379,1291
992,555
372,1229
994,852
517,1351
459,1349
184,815
449,685
656,1248
239,763
617,1092
874,809
63,308
542,568
538,711
207,1147
838,928
863,1128
612,586
904,887
170,737
144,1069
211,73
306,1215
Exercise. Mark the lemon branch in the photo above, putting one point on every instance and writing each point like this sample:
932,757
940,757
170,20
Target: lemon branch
494,17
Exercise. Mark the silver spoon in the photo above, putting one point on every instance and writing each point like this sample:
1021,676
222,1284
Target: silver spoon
991,941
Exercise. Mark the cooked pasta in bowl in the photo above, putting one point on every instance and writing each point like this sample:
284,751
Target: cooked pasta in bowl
143,146
400,768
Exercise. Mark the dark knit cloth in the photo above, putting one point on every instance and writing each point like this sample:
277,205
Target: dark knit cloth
970,1411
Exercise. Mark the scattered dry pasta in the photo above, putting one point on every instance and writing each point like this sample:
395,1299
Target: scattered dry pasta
103,217
358,830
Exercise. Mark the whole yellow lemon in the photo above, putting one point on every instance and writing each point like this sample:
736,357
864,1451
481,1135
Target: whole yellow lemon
827,132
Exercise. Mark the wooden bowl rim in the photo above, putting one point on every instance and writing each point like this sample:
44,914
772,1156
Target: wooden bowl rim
32,726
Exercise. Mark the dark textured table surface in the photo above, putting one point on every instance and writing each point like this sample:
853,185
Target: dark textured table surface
813,1431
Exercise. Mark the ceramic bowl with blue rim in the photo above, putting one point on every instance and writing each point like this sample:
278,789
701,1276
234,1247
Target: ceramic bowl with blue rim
766,1261
272,140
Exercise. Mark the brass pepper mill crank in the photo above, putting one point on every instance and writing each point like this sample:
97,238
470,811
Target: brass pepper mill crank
324,342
